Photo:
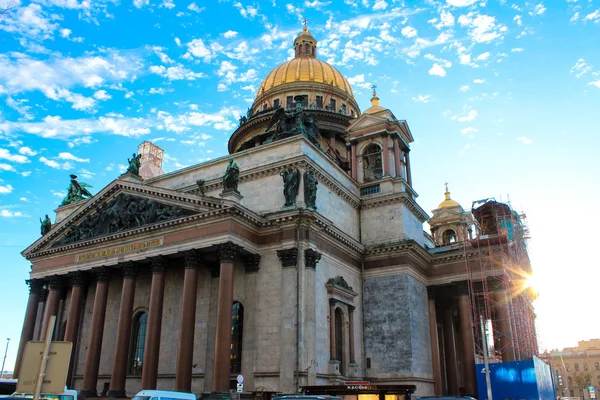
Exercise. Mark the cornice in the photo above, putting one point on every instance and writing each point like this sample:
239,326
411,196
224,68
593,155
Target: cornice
393,198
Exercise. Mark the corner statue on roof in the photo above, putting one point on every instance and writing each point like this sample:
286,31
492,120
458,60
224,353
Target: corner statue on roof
46,224
134,164
76,191
231,177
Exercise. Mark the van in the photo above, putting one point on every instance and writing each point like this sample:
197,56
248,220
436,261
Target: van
68,394
163,395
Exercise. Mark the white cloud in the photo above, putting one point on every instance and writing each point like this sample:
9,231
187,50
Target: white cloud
437,70
408,31
482,28
6,155
580,68
50,163
479,81
518,20
176,73
468,130
595,16
25,199
538,10
460,3
141,3
157,91
575,17
380,5
31,21
359,80
524,140
10,214
26,151
20,106
517,49
483,56
464,88
167,4
69,156
65,32
7,167
595,83
471,115
230,34
422,98
57,193
198,49
178,42
6,189
249,11
195,8
102,95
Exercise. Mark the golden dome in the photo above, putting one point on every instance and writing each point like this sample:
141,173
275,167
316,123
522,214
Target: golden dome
448,202
305,67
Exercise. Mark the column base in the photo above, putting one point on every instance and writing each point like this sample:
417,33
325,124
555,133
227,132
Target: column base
334,367
88,393
116,393
353,370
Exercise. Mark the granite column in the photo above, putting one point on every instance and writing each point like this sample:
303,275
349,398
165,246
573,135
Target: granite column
35,289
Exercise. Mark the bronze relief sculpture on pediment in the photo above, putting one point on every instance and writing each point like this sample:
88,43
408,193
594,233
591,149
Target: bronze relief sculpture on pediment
121,213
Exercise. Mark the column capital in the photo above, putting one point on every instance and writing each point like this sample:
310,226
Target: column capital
332,302
77,278
288,257
43,295
102,274
311,258
385,134
190,259
350,309
35,285
158,265
229,251
55,282
251,262
129,270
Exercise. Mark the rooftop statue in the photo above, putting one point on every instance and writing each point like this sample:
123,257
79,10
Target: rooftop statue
310,190
231,177
46,224
76,191
291,181
134,164
293,122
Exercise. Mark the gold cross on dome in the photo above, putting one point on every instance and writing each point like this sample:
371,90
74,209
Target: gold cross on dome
446,183
304,21
374,91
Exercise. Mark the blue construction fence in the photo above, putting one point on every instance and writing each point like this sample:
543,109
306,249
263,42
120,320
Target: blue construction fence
517,380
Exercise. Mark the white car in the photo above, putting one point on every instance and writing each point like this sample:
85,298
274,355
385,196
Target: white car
163,395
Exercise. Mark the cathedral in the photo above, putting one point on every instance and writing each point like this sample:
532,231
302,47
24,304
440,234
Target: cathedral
298,260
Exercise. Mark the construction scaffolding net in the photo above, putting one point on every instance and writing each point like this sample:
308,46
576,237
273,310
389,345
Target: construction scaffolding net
498,276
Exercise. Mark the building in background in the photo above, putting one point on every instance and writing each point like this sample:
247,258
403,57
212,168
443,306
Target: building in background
299,259
576,369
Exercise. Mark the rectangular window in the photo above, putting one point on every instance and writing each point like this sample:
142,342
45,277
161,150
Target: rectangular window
597,366
319,101
585,367
568,368
344,109
289,102
305,101
276,103
576,366
332,104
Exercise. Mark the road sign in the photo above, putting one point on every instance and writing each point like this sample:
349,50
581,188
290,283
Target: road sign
240,387
591,389
240,379
56,368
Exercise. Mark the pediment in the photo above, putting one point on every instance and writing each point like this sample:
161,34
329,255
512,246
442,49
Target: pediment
449,214
122,206
366,121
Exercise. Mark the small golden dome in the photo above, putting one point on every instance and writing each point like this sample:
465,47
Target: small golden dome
375,108
448,202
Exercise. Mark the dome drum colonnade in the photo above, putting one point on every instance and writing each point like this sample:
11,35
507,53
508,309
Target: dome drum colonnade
219,259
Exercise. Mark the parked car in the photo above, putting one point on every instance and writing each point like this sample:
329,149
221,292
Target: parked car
304,397
163,395
68,394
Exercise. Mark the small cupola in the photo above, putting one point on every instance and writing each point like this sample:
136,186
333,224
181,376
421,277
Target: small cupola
305,44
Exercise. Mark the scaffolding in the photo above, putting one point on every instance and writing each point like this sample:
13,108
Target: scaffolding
498,267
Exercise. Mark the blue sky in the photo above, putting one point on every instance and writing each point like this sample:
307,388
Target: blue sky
502,98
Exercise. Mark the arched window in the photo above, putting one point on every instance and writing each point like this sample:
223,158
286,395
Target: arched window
313,51
307,49
449,236
339,339
372,163
237,334
139,341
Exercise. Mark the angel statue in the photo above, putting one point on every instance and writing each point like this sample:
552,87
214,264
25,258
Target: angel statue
134,164
231,177
291,180
76,192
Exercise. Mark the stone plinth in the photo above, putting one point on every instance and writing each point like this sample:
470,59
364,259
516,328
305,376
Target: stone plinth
233,195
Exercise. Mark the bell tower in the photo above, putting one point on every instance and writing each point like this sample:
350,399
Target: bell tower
450,223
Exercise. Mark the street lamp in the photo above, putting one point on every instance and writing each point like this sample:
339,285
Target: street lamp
4,361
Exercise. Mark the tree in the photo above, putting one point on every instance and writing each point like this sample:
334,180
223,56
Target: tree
5,9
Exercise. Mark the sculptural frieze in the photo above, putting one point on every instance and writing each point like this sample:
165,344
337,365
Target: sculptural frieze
292,122
76,192
291,183
121,213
